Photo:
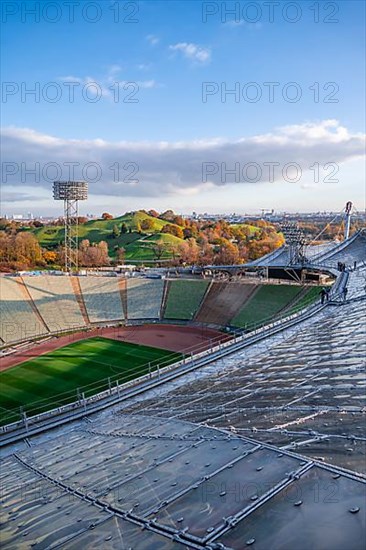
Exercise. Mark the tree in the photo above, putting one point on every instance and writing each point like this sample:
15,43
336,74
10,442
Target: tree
168,215
4,224
178,220
159,249
147,224
190,231
124,228
138,227
84,245
95,255
115,232
27,248
189,252
153,213
50,257
206,254
173,230
20,250
121,255
228,253
107,216
103,253
175,251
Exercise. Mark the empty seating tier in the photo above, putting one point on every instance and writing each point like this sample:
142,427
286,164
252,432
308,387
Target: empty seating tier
56,302
18,319
224,301
265,304
102,298
144,298
184,298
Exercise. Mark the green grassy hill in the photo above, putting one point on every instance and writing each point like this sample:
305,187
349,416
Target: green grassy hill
143,248
138,246
253,230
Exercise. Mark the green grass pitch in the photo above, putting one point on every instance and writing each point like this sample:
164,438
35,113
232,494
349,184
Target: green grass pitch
51,380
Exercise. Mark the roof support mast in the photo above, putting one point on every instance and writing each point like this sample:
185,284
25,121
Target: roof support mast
347,224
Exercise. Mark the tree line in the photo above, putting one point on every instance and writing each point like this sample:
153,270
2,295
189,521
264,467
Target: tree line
198,242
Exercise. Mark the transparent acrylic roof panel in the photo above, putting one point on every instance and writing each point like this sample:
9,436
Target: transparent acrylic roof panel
14,474
146,491
350,454
20,499
321,510
50,453
44,524
119,534
150,425
227,493
77,458
135,424
145,454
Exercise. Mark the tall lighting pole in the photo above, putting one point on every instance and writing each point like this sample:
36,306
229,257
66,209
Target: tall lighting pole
71,192
296,241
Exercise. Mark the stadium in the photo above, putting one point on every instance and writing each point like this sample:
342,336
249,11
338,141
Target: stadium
215,408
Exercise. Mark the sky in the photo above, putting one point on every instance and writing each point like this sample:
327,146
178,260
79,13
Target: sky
195,106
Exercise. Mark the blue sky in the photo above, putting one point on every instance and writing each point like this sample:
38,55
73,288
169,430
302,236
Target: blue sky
171,53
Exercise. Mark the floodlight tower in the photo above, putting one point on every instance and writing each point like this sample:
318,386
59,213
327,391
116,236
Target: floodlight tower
296,241
71,192
347,224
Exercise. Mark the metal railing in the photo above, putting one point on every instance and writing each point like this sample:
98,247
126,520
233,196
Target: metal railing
95,396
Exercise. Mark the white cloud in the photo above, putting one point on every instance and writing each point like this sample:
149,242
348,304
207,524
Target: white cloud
152,39
192,51
144,66
105,86
234,23
164,169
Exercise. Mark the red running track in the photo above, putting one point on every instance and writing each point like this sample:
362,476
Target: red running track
170,337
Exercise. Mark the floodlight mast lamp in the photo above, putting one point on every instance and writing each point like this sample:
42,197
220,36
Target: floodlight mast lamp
296,241
71,192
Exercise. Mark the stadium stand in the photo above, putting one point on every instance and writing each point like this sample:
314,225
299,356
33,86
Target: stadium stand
79,298
122,285
306,297
56,302
267,302
144,298
184,297
18,320
224,301
102,298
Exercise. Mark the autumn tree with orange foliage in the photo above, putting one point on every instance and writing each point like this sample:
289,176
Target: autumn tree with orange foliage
19,251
